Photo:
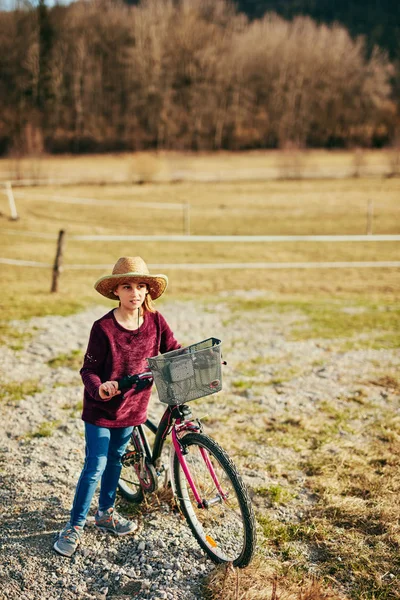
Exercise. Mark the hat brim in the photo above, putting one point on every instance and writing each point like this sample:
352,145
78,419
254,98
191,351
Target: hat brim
106,285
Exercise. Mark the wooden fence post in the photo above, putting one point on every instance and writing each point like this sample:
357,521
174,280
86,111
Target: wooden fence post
57,268
370,215
11,201
186,218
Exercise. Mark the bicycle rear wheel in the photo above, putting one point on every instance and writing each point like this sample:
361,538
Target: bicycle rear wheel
224,525
129,482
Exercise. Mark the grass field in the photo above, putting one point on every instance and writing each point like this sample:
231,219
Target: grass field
275,207
172,166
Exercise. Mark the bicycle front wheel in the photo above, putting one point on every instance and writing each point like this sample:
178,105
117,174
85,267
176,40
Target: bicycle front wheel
224,523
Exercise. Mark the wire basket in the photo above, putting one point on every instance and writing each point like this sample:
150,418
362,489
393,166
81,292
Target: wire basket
188,373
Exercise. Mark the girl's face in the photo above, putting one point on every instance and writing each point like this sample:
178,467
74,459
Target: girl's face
131,294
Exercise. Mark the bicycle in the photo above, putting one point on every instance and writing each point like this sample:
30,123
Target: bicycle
206,484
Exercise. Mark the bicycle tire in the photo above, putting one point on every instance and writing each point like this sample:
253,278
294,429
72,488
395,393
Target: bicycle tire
226,529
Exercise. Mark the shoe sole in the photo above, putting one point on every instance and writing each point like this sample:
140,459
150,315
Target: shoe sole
59,551
108,530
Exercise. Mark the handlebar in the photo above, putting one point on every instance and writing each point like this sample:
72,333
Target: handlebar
140,381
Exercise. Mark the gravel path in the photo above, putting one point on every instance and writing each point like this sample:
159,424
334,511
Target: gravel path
38,473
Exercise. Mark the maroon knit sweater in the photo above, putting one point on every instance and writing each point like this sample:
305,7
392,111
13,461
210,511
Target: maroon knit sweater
114,352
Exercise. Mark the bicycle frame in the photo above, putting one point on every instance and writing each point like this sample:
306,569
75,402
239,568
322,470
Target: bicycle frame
181,458
206,484
177,420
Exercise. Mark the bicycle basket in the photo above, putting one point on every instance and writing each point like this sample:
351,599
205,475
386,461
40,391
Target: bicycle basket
188,373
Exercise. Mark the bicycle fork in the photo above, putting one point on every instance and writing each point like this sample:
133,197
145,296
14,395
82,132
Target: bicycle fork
201,503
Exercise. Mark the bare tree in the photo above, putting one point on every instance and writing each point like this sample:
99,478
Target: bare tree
101,75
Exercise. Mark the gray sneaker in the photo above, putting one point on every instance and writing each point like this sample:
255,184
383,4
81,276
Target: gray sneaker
68,540
113,522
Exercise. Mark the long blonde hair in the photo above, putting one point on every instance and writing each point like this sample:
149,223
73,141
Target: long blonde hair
148,304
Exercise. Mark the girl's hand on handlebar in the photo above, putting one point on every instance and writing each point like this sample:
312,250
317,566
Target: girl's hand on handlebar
109,389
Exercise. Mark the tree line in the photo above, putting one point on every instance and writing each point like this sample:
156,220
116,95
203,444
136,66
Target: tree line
379,21
100,75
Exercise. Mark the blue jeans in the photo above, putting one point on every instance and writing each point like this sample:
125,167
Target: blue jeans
104,448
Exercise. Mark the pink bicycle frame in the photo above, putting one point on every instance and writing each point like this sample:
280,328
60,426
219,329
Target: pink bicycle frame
188,476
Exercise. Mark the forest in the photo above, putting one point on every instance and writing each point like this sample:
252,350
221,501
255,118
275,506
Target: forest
378,21
102,75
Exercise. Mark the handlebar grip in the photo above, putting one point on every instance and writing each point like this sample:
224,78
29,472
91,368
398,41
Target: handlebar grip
127,382
140,381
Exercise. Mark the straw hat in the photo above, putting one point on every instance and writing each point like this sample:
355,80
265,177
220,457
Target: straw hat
131,267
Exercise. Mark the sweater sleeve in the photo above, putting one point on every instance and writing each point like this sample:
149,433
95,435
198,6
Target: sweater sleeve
167,341
94,361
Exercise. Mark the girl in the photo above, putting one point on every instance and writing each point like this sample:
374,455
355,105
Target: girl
119,344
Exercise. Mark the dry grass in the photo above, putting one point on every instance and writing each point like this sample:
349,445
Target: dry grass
260,582
338,485
224,208
346,542
170,166
258,207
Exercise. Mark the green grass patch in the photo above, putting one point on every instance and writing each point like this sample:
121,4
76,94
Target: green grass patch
252,368
75,381
75,294
275,492
74,408
45,429
13,338
280,533
328,423
43,305
360,324
378,325
282,375
241,384
13,392
73,360
251,371
374,341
